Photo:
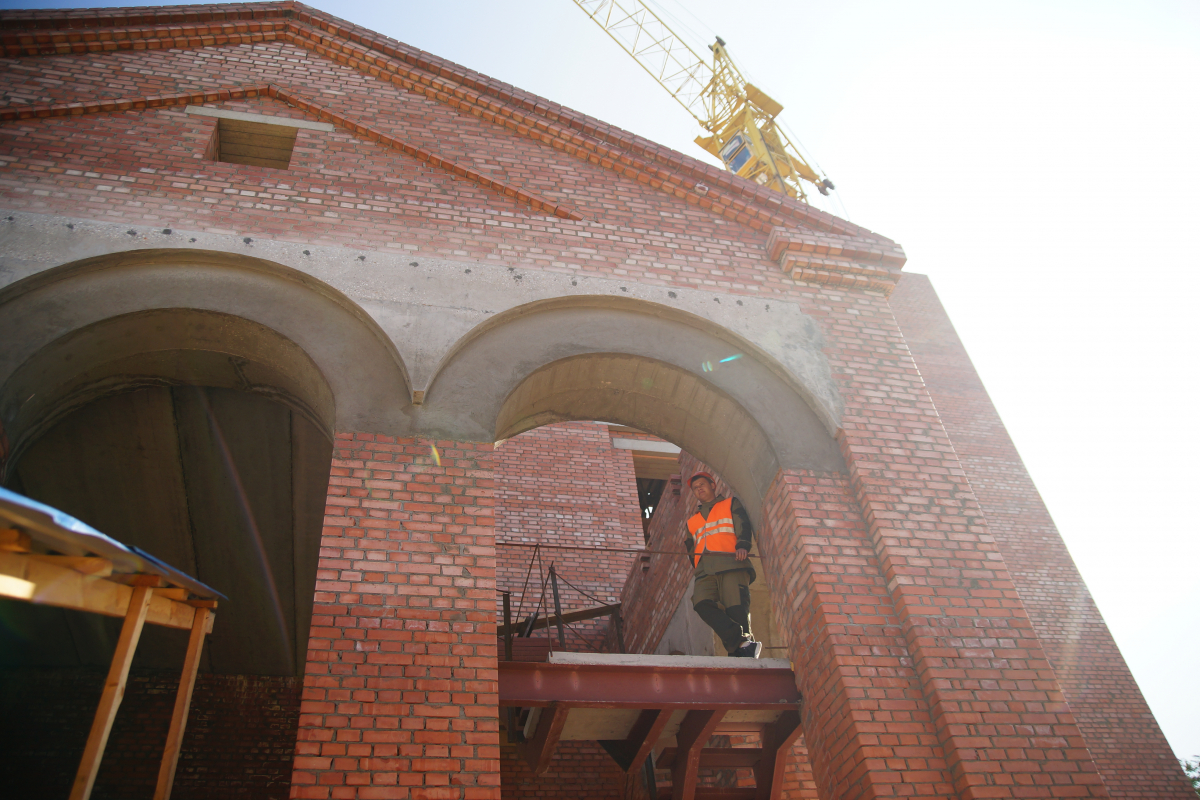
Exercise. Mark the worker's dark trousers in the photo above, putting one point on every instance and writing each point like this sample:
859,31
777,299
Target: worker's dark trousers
731,623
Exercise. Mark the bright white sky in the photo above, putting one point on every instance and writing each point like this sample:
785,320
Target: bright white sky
1039,161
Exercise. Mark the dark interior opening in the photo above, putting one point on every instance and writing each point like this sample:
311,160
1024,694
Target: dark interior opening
227,485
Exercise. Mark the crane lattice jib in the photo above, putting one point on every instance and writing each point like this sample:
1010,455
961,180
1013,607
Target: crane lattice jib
740,117
639,31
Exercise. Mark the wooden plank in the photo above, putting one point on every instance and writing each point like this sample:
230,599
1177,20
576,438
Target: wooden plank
114,690
54,585
263,148
252,150
115,463
539,750
273,163
245,127
14,541
661,467
694,733
84,565
183,702
237,453
259,139
312,453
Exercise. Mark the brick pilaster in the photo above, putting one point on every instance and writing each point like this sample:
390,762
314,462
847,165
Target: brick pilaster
1003,721
867,726
400,696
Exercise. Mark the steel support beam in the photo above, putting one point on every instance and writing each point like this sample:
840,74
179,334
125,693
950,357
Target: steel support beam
694,733
634,686
540,749
631,752
777,741
716,757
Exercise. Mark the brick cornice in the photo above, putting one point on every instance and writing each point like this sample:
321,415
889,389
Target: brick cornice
158,36
140,102
835,261
535,201
54,32
67,18
758,200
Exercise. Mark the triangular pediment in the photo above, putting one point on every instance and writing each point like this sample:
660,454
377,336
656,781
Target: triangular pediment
541,156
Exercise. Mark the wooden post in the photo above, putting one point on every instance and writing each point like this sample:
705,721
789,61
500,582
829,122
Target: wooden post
114,691
183,702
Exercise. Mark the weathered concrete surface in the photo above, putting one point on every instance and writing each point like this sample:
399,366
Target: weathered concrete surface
377,343
428,306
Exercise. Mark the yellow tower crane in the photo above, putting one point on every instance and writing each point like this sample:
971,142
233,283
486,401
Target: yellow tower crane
740,117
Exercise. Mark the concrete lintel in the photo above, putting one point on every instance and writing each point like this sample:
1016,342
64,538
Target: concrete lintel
242,116
643,444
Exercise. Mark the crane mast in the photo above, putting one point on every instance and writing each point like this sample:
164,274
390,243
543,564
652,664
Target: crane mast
739,117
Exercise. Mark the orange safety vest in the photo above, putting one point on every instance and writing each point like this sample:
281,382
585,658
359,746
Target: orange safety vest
715,534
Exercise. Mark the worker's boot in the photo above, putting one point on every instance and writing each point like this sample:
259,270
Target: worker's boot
750,649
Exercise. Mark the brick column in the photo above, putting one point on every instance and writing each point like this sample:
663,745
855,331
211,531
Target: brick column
867,726
400,696
1002,719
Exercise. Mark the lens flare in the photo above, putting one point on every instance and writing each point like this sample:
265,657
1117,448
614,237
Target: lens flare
437,459
731,358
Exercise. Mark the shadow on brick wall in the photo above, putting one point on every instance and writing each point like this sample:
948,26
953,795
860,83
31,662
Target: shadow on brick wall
240,739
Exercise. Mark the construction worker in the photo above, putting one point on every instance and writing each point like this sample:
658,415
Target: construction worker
719,541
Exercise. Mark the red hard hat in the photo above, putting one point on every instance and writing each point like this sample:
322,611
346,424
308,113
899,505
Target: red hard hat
710,478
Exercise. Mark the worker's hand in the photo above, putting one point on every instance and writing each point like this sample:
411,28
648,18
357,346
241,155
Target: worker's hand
740,555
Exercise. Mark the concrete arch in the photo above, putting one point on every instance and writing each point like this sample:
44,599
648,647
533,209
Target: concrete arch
637,363
161,347
653,396
303,339
185,402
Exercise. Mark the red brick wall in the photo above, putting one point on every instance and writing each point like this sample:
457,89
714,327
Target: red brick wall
829,594
400,697
981,670
1122,735
578,770
144,165
566,486
239,743
400,690
649,599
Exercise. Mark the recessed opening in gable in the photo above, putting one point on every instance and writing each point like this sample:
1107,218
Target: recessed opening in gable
237,141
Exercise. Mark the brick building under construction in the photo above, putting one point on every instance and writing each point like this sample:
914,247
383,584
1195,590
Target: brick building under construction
370,342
